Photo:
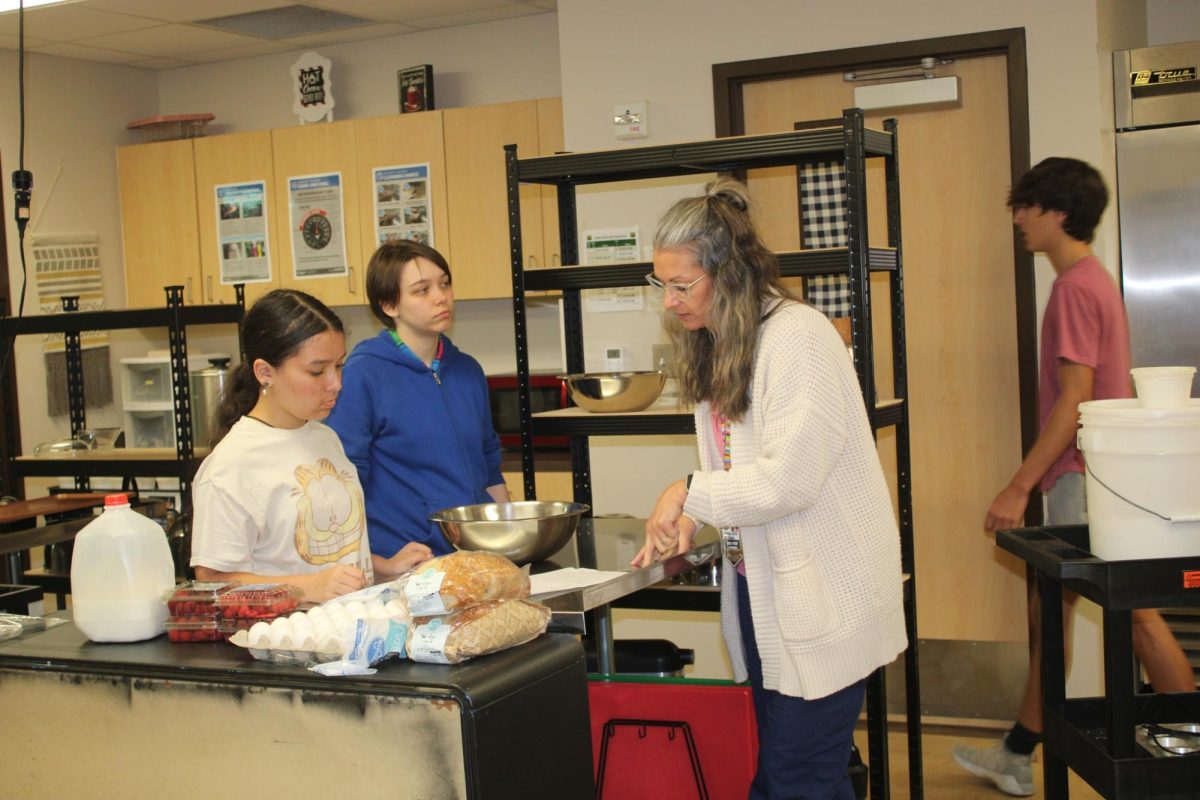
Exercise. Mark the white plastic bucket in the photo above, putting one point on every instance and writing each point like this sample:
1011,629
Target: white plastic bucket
1163,387
1143,479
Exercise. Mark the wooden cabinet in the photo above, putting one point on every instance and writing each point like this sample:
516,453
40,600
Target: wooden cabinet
477,186
157,186
398,141
231,159
317,150
170,215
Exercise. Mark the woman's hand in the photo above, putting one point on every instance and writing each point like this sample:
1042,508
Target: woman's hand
409,556
334,582
662,526
679,544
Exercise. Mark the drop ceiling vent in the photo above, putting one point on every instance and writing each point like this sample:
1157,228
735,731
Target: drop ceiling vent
284,22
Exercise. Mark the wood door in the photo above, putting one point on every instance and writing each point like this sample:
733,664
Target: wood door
157,184
232,159
401,140
961,326
314,150
478,188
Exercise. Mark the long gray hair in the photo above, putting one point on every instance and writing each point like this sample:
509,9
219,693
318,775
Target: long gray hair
716,362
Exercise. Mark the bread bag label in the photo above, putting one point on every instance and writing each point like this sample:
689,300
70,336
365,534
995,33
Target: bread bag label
427,642
423,592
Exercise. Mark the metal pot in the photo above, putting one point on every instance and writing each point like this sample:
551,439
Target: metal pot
207,385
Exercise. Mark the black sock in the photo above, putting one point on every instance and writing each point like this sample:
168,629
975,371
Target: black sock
1021,740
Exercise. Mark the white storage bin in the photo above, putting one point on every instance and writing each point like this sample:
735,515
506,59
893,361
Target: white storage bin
145,380
150,428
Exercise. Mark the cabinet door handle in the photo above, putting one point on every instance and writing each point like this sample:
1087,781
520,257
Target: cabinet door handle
208,287
350,276
532,262
554,259
187,294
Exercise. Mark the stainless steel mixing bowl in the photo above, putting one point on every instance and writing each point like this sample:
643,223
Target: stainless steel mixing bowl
611,392
521,532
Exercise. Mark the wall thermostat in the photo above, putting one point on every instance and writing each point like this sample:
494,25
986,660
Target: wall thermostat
614,359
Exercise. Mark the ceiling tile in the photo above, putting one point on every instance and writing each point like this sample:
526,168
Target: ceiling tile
70,22
264,48
405,10
13,43
359,34
186,10
84,53
171,40
474,17
158,63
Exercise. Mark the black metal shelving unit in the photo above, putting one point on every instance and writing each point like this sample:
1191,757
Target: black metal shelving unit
852,143
1097,736
175,317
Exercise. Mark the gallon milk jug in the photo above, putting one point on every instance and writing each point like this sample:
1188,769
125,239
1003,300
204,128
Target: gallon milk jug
121,569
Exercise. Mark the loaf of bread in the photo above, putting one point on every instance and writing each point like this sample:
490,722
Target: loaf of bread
461,579
475,631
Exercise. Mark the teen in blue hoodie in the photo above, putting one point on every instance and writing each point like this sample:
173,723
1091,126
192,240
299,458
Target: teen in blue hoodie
413,414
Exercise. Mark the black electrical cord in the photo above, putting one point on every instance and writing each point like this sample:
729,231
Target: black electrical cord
22,182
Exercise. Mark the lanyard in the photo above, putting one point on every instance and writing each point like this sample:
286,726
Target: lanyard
436,365
731,538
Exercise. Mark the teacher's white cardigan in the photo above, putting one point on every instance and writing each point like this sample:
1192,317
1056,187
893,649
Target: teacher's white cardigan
820,542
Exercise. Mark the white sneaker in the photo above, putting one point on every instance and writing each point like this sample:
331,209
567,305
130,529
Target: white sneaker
1010,771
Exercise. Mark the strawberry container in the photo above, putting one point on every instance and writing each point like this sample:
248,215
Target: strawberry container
195,598
257,602
194,628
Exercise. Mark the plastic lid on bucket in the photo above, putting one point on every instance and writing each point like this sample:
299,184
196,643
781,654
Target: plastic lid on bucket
1130,412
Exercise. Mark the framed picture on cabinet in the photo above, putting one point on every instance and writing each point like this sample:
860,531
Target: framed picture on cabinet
416,88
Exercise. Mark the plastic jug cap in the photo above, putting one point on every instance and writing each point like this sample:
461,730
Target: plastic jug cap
116,500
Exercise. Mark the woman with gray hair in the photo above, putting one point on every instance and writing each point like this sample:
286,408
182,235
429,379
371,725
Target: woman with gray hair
811,601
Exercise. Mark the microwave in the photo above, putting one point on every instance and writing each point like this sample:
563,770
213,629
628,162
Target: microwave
546,393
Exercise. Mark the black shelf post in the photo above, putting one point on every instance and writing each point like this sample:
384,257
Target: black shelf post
76,405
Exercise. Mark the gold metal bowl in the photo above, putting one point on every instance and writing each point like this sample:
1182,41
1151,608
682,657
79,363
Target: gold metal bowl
522,532
613,392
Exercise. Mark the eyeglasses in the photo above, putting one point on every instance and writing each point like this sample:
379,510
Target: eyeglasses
679,291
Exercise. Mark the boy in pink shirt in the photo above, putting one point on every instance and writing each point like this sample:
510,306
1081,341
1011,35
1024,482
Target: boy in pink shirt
1084,356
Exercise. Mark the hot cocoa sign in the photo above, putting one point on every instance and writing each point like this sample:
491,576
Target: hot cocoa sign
312,88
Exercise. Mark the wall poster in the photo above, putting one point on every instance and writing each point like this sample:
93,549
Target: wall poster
604,246
242,232
317,230
402,207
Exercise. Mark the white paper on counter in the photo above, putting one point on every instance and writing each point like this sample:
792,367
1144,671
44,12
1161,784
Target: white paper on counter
564,580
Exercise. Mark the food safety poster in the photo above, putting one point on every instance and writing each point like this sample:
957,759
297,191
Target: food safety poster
317,231
242,232
604,246
402,207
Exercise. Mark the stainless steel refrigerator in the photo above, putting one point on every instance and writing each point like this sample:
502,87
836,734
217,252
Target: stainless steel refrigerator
1157,104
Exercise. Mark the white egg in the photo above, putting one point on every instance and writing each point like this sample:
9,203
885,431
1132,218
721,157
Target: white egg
281,624
317,612
378,612
329,642
260,635
372,605
297,617
356,609
396,610
281,638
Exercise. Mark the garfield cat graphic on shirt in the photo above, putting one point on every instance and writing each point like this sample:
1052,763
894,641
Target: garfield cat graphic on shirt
330,515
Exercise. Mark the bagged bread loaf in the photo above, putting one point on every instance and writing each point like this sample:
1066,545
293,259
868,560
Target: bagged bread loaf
475,631
461,579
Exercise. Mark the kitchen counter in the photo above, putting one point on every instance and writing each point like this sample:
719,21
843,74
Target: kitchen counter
156,719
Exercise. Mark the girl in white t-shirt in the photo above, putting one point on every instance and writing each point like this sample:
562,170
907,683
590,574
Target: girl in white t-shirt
277,501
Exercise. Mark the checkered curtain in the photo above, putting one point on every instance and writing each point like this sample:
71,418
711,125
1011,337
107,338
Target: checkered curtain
823,224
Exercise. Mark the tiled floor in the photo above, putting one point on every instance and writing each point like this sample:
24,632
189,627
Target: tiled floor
943,778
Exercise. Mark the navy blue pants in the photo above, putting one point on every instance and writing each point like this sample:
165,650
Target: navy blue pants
803,745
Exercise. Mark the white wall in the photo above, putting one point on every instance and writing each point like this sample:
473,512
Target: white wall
75,117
